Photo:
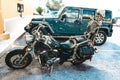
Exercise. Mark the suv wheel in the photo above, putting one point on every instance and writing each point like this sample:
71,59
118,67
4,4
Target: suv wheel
100,38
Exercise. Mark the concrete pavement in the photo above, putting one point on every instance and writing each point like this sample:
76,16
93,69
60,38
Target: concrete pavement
15,27
103,66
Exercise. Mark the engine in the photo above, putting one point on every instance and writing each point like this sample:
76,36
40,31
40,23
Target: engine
49,57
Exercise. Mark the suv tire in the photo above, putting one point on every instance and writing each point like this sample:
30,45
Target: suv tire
100,38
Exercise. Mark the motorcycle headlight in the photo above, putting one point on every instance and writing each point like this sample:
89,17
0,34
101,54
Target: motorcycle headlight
29,38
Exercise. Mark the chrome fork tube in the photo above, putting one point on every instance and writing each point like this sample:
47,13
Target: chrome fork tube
27,51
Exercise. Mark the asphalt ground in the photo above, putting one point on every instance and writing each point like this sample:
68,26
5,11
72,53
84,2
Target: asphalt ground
104,65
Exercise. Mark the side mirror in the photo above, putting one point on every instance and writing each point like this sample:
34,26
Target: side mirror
63,17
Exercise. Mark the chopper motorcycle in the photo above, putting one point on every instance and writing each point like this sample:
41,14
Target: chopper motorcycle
50,51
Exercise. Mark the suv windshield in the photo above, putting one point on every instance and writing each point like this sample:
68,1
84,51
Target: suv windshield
59,12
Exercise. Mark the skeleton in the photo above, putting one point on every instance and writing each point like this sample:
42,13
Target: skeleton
94,25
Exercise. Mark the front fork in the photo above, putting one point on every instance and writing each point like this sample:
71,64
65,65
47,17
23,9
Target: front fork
28,49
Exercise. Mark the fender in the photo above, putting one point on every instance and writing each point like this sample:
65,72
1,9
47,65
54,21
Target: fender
106,30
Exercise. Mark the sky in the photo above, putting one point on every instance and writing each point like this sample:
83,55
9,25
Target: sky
109,4
100,4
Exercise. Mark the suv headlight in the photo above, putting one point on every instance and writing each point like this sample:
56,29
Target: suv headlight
29,37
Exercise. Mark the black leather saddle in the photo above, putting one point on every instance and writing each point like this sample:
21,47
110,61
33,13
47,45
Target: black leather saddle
67,44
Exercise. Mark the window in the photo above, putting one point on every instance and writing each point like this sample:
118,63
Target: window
108,15
71,13
88,13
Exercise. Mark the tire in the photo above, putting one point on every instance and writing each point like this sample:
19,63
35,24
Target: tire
100,39
13,57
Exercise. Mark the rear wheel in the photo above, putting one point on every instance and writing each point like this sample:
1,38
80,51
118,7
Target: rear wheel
13,59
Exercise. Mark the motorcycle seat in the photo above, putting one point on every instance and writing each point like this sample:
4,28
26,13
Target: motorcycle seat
67,44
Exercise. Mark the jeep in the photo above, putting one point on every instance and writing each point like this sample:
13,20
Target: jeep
72,21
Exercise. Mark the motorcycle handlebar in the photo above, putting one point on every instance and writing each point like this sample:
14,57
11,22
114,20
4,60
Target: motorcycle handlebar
38,33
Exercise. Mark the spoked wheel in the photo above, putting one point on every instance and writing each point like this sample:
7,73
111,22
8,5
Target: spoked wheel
13,59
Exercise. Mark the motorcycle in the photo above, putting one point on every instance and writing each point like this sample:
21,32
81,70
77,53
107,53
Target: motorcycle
50,51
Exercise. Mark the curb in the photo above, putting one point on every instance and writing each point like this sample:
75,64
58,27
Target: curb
7,49
15,26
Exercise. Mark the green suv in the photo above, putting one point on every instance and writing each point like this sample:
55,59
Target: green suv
73,21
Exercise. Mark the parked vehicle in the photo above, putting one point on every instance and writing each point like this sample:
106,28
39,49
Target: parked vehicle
50,51
115,19
75,23
53,13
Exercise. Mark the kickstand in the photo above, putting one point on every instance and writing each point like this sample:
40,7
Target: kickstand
50,69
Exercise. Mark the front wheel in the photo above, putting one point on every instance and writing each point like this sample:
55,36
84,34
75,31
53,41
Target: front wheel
13,58
100,38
